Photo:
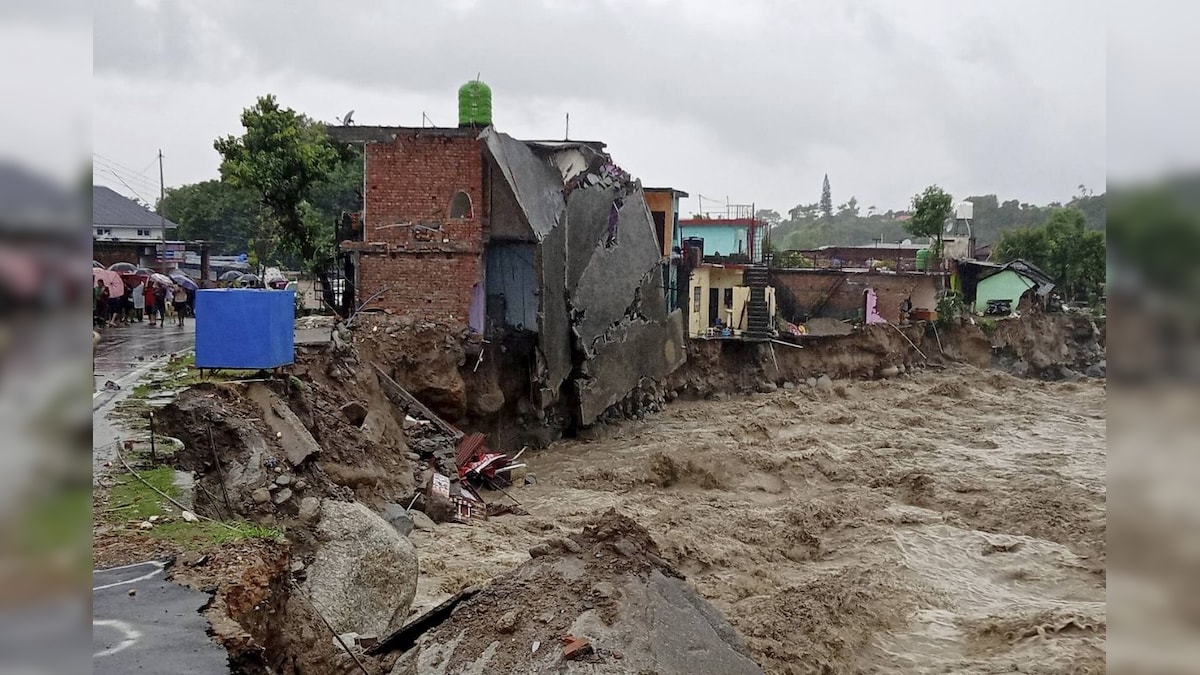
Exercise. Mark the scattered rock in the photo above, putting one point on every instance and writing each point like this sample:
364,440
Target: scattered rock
421,521
132,592
824,383
364,576
507,622
282,496
261,496
413,457
355,413
153,519
190,517
301,484
811,382
283,480
398,518
310,510
767,387
889,371
789,386
146,525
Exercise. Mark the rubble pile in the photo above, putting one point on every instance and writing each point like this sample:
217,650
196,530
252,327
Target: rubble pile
647,398
602,600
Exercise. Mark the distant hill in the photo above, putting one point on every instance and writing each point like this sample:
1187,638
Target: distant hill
806,228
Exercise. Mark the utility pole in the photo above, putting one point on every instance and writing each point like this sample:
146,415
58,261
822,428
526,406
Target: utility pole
162,220
567,131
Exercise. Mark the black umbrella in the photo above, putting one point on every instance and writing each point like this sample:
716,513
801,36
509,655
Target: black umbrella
123,268
231,275
144,271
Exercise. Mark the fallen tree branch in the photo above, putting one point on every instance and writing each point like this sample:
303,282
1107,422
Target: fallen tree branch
361,307
914,345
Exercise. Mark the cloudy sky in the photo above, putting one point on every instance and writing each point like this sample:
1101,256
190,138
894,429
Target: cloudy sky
753,101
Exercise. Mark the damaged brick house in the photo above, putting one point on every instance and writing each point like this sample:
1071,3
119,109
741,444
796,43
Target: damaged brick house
546,248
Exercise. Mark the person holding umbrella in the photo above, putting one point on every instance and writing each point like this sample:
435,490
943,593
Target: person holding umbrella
179,302
150,300
160,302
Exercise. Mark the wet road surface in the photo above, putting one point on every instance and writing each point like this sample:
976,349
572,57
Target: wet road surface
159,629
120,346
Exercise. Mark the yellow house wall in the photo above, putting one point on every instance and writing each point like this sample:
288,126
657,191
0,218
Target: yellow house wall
706,278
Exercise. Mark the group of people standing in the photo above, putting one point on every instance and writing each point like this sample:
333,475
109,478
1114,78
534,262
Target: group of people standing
147,299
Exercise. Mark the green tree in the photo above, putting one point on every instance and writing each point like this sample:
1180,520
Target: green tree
227,217
1063,248
931,208
282,156
769,216
826,198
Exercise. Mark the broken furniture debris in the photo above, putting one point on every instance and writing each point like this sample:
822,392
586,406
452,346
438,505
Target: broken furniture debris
456,465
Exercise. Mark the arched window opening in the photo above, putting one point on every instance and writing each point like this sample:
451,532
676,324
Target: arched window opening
460,205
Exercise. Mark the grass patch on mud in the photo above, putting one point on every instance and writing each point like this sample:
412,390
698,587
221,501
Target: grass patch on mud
132,501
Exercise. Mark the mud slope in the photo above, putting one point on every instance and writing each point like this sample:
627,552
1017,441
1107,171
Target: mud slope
948,522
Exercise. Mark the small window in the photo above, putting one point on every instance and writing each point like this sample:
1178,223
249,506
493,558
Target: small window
460,205
728,298
103,231
143,233
696,299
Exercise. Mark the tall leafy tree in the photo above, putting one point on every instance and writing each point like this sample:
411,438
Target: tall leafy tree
826,198
931,208
1064,248
227,217
282,156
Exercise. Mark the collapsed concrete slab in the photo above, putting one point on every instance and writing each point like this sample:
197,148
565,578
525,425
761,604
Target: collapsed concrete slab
601,273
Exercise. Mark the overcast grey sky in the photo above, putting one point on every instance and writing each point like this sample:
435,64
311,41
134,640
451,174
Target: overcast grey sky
753,100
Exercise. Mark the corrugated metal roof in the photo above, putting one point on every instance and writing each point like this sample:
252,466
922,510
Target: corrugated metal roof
469,448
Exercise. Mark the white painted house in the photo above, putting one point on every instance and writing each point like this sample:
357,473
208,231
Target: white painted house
118,218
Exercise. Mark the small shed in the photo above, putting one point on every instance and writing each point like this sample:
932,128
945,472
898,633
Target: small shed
1009,283
245,328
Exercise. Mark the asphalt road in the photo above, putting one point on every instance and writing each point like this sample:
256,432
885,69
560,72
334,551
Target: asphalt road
120,346
159,629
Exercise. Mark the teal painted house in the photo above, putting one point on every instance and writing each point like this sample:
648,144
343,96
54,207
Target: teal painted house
724,236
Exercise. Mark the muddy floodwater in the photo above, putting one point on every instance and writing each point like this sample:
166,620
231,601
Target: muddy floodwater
951,521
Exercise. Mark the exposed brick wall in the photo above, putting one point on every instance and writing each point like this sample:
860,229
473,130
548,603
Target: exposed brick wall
801,291
413,179
432,285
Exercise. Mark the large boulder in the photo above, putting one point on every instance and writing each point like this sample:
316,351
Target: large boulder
364,574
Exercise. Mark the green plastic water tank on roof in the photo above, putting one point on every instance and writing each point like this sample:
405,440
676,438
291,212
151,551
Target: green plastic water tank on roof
474,104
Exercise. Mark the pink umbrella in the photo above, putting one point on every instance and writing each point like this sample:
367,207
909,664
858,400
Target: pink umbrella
116,287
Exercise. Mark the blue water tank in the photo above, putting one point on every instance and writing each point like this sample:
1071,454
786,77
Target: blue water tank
245,328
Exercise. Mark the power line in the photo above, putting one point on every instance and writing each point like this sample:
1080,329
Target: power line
121,166
144,183
131,189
